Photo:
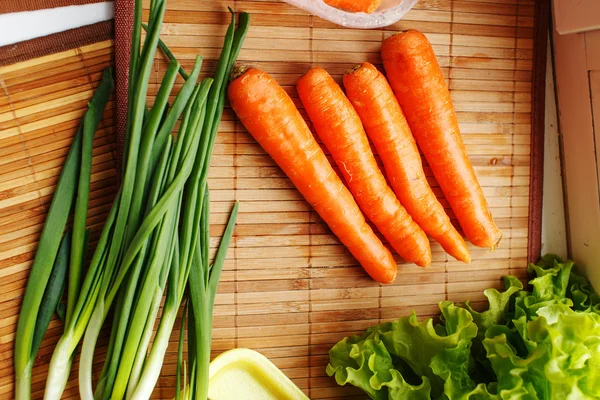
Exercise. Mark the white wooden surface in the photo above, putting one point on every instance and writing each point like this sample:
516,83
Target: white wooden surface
554,236
575,90
595,96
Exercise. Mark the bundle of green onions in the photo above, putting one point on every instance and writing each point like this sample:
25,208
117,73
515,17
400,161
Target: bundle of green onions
156,236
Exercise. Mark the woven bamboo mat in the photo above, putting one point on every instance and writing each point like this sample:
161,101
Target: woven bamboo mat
289,290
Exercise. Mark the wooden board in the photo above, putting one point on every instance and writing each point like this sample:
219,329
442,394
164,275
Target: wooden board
578,91
289,289
576,16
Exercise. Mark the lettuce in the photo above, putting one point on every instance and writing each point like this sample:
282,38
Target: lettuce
542,344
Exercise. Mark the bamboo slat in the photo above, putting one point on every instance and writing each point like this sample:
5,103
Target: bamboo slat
289,288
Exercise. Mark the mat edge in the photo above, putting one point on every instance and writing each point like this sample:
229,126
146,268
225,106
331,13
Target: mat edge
538,113
33,5
56,43
123,28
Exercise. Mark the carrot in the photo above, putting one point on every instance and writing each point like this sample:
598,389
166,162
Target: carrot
272,119
385,124
340,129
366,6
417,81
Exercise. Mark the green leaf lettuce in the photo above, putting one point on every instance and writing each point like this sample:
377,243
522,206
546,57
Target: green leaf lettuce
541,344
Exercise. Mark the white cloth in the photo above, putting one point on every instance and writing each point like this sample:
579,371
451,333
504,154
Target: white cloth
20,26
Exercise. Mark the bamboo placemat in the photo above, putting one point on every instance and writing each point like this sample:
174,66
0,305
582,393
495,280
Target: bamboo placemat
289,289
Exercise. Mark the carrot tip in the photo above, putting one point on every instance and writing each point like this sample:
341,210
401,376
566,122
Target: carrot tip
461,254
388,279
238,71
497,242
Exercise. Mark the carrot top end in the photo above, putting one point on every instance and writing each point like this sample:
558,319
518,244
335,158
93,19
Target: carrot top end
238,71
315,71
354,69
409,34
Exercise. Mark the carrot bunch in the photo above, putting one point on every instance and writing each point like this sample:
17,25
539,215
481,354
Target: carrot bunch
386,125
341,130
272,119
416,101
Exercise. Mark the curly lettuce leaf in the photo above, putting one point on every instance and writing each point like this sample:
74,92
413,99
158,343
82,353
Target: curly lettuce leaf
399,389
550,288
552,276
518,378
357,363
368,365
542,344
574,365
498,304
581,292
418,342
453,366
496,314
563,364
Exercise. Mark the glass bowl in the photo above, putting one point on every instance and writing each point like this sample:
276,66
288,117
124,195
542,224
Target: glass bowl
389,12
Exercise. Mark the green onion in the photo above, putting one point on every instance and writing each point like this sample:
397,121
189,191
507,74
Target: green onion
203,298
102,276
167,52
180,354
81,210
48,246
150,130
53,292
203,278
176,109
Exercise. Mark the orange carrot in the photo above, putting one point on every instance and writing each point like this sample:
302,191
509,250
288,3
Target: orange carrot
366,6
415,76
385,124
272,119
339,127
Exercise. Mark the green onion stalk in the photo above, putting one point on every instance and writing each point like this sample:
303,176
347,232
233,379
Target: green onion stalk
204,278
49,270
